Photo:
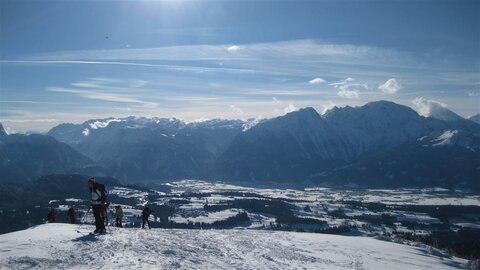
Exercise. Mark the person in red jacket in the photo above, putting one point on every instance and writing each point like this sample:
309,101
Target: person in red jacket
52,216
72,214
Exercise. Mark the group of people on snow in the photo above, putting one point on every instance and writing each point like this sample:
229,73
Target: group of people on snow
71,214
98,198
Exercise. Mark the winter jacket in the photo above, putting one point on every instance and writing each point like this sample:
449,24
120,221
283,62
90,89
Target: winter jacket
119,213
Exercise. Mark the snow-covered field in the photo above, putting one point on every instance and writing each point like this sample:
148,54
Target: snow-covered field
59,246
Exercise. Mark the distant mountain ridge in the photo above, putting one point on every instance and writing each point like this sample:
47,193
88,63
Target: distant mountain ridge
155,148
27,157
305,145
345,145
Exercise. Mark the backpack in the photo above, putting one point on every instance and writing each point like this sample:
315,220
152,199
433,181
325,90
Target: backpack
146,212
103,192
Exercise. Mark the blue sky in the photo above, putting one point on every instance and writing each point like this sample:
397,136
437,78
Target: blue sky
69,61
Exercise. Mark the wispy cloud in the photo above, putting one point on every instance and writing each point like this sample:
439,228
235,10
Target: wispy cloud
236,109
43,120
344,93
102,96
308,50
40,62
328,106
391,86
343,82
348,88
290,108
173,68
110,84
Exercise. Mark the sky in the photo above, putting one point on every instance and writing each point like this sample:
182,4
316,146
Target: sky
70,61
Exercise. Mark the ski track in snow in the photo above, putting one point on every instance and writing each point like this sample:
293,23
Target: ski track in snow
59,246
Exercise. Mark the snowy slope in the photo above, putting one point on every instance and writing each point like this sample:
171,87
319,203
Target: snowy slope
59,246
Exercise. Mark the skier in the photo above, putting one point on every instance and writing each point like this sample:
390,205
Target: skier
118,216
72,214
98,200
145,214
104,213
52,216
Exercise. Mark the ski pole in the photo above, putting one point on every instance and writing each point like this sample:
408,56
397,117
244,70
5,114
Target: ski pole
83,219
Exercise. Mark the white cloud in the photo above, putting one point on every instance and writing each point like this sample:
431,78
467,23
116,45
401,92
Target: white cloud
233,48
98,124
344,93
290,108
316,81
428,107
347,89
391,86
326,107
86,132
236,109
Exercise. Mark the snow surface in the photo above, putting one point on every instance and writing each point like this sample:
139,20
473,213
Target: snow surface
59,246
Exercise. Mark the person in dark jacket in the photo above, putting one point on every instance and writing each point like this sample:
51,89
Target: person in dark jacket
98,200
72,214
145,215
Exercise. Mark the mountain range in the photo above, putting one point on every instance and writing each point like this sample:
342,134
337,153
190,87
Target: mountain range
378,144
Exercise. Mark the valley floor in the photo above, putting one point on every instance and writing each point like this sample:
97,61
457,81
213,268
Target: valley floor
60,246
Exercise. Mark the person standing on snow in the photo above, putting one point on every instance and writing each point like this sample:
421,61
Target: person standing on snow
72,214
145,214
98,197
118,216
104,213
